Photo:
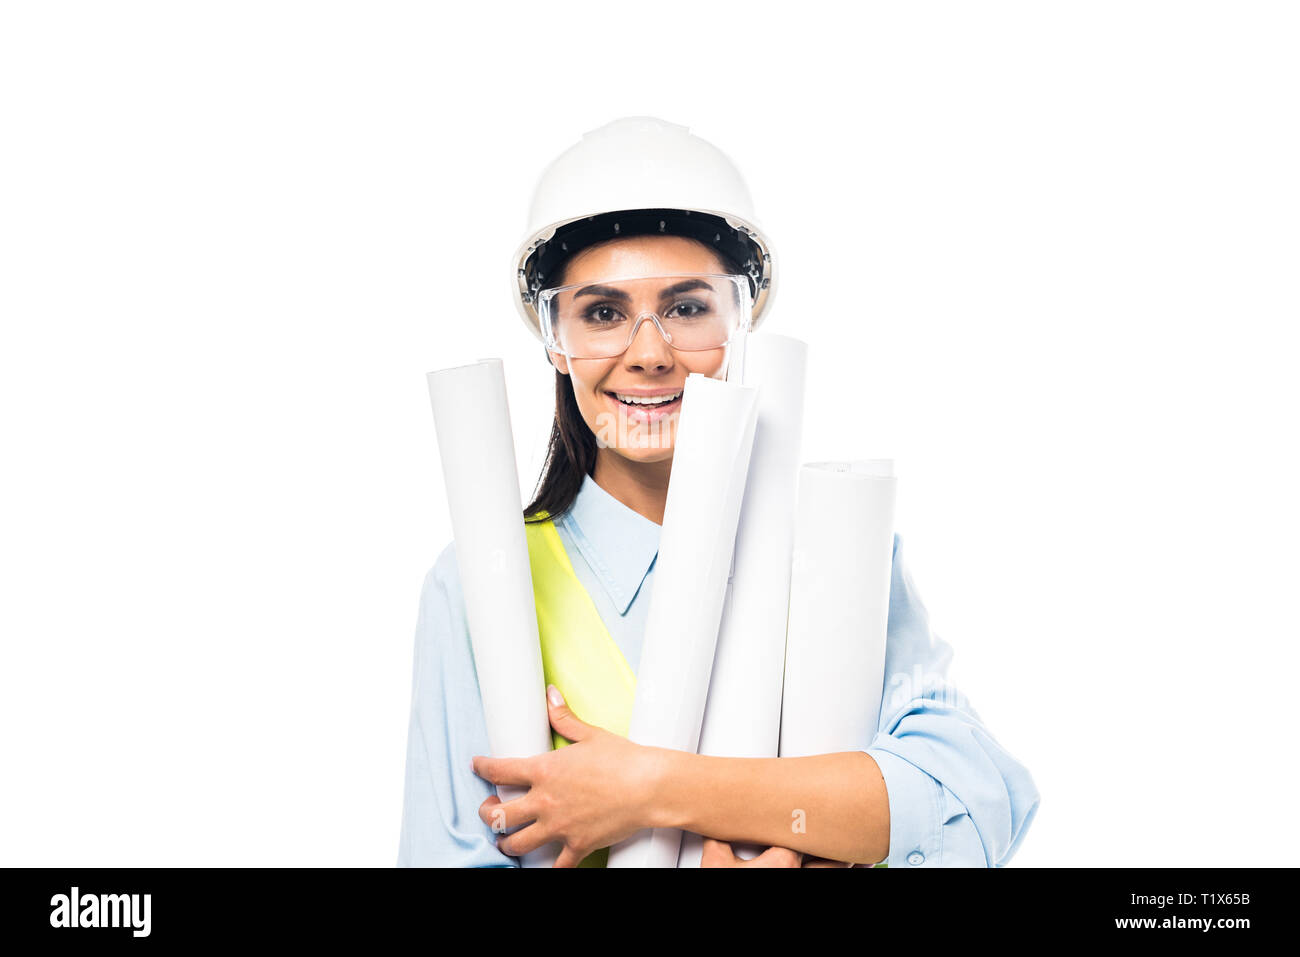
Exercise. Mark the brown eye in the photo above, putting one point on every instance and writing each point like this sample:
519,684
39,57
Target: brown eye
689,309
603,314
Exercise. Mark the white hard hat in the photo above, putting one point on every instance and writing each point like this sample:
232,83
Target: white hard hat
633,176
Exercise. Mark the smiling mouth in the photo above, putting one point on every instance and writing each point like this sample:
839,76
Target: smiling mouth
646,401
648,407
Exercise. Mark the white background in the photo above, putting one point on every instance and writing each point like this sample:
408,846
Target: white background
1045,256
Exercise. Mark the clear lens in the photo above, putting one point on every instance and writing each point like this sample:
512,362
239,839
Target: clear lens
596,320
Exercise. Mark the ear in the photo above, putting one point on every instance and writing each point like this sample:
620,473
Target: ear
560,361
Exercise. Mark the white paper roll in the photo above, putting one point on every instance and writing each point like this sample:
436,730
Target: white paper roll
476,446
742,716
839,607
715,435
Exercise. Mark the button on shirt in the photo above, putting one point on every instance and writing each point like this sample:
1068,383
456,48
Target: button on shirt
956,797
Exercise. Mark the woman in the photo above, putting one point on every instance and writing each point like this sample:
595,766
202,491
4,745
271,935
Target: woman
646,267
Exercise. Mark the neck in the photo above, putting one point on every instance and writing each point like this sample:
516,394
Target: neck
641,486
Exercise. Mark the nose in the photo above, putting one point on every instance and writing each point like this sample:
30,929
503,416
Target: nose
649,350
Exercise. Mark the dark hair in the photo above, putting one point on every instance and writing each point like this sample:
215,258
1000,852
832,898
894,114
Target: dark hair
571,450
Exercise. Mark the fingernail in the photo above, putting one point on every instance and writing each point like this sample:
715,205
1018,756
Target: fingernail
553,693
471,766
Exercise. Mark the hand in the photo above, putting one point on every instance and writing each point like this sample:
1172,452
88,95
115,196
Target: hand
588,795
720,854
825,862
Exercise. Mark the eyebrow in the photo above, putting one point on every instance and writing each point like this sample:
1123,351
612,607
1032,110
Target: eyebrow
613,292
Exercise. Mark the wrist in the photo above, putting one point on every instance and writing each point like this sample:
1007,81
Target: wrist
660,769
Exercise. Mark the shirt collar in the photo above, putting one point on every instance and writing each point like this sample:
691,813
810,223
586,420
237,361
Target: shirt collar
619,543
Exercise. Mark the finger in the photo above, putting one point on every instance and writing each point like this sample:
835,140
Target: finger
562,717
505,816
524,840
568,857
775,857
503,770
717,854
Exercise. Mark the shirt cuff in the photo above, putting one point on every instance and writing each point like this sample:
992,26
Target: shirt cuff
915,811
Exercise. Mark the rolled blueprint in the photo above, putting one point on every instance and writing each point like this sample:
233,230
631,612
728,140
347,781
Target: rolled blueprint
477,449
715,434
742,715
839,607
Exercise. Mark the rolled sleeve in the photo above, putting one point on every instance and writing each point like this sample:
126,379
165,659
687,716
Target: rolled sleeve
957,798
914,810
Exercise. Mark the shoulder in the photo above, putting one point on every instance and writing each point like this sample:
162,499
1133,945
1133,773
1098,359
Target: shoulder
911,637
906,609
898,578
441,598
901,584
445,569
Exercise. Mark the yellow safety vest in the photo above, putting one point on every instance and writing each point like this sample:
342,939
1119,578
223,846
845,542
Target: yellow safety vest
579,656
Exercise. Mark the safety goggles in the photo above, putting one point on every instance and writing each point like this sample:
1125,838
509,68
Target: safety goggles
694,312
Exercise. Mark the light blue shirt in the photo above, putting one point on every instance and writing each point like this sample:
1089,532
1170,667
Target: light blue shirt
956,797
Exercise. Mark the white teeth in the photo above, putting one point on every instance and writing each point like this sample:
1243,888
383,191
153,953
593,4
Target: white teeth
647,399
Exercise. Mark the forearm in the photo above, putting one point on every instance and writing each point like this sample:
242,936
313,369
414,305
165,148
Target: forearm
829,805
